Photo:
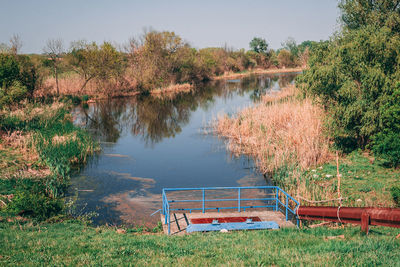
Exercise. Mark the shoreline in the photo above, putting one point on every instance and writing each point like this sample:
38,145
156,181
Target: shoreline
179,88
233,75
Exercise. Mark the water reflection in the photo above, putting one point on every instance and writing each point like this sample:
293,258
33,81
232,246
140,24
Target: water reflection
156,118
149,143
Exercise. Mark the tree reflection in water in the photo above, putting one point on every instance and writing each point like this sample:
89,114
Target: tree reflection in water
156,118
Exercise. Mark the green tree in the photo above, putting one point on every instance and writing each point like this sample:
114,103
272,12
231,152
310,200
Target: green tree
356,75
91,61
286,59
291,46
259,45
9,70
356,14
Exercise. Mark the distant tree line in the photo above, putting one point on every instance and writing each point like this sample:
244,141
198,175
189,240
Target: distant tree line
356,77
154,60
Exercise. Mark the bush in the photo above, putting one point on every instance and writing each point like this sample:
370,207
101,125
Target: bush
387,146
18,78
395,191
286,59
30,199
13,94
9,70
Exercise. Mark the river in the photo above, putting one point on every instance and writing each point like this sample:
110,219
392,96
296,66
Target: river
149,143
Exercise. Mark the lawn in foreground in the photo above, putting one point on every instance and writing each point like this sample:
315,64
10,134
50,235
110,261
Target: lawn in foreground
71,243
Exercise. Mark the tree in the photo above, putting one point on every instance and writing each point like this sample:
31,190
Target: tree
9,70
286,59
259,45
355,76
155,60
291,45
12,90
16,44
54,49
360,13
95,62
4,48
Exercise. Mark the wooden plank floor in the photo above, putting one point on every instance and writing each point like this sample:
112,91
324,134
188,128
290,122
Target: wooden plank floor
275,216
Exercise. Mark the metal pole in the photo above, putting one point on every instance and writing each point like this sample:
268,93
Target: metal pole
163,203
238,199
169,223
287,205
277,198
204,201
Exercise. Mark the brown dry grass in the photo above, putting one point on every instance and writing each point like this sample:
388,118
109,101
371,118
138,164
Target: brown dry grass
277,133
282,131
72,85
19,158
173,89
233,75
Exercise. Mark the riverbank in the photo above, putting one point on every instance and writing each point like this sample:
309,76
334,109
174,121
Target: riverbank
71,85
39,149
285,136
70,243
236,75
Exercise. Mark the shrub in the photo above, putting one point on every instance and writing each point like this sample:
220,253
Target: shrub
9,70
13,94
386,144
30,199
395,191
286,59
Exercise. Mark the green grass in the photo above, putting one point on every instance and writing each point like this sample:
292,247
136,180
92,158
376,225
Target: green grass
76,244
364,182
56,143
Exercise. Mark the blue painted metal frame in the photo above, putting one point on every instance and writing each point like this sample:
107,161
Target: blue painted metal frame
205,227
166,210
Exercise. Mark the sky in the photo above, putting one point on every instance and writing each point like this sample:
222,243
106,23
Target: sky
202,23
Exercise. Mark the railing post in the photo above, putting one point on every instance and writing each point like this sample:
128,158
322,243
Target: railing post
277,198
204,194
239,199
169,222
287,205
163,202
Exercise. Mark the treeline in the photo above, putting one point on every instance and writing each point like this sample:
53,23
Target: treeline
154,60
356,78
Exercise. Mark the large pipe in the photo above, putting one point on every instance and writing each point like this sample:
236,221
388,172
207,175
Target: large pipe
363,216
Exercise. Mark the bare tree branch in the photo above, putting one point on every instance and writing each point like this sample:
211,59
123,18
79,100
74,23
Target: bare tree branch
16,44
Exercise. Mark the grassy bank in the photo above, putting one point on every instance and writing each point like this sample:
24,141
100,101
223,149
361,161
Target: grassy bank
39,149
365,181
80,245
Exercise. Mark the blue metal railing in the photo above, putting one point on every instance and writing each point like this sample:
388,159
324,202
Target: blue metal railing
277,192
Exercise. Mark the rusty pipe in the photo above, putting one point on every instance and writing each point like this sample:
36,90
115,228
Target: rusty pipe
364,216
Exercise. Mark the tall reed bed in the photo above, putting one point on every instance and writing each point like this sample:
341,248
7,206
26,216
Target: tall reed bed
283,134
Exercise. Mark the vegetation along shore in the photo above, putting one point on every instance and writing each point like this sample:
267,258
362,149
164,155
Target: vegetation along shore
332,137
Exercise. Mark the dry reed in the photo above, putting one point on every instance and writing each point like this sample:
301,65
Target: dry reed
21,158
233,75
173,89
72,85
281,132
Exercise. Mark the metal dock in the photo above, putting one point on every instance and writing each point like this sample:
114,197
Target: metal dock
187,210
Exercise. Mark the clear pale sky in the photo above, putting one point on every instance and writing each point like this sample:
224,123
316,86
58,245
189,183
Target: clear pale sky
202,23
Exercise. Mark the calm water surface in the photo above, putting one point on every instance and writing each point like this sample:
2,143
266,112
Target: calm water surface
150,143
